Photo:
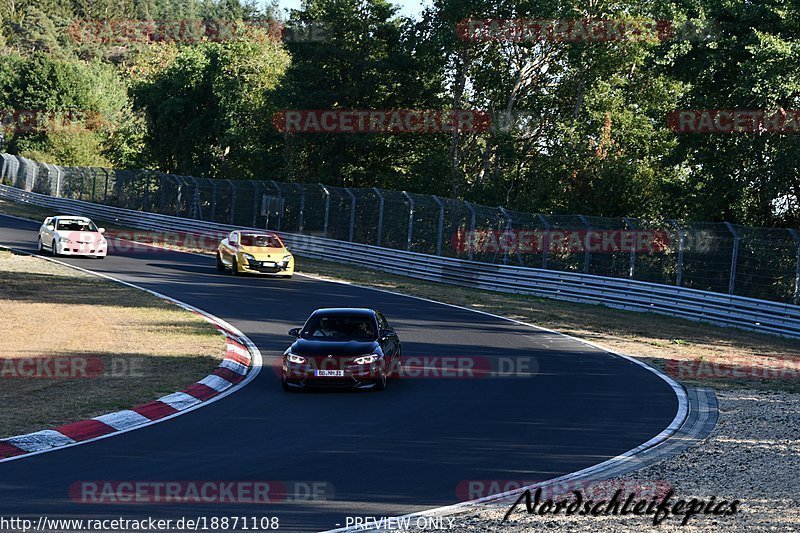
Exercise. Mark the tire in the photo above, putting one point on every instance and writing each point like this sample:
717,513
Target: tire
396,370
383,380
285,386
39,244
53,252
220,264
234,267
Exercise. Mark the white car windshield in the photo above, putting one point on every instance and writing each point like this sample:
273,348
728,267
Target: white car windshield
75,225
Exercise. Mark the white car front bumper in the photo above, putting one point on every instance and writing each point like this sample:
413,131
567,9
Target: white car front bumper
66,248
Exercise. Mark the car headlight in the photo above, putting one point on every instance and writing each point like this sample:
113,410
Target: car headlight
293,358
64,240
287,258
366,359
248,257
101,243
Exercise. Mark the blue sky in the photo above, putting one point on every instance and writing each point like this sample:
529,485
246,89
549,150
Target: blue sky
407,7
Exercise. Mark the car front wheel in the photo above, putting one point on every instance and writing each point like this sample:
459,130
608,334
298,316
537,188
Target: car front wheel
39,244
53,250
234,267
382,381
220,264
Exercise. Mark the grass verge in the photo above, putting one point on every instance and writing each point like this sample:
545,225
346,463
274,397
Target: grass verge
104,346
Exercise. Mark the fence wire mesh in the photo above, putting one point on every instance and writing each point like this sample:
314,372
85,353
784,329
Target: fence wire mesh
720,257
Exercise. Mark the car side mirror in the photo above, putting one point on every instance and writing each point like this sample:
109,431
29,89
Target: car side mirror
387,333
101,230
294,332
50,227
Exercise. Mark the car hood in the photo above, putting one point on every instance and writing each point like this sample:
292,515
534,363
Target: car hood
80,236
263,254
313,348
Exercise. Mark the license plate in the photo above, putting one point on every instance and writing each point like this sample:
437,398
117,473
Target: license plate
268,263
329,373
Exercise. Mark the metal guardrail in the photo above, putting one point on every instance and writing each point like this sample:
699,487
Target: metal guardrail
721,309
761,263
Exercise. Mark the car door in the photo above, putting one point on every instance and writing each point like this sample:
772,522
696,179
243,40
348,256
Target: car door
45,233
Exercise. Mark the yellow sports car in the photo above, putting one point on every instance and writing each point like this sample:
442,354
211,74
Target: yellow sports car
252,252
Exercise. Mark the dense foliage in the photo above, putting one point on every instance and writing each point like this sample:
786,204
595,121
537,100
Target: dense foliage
579,126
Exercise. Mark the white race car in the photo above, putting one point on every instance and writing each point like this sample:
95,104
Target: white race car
70,235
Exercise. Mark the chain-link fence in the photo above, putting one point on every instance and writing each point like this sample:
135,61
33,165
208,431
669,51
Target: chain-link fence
756,262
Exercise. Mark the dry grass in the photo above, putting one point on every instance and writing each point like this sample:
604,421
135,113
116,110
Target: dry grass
145,346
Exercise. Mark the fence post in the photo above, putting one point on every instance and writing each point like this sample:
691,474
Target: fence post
233,201
632,225
796,297
681,246
380,215
280,198
509,229
471,227
410,220
255,203
302,207
58,180
734,256
352,212
93,184
586,241
546,243
327,210
441,224
105,185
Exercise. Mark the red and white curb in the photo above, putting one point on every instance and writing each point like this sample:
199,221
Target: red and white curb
241,364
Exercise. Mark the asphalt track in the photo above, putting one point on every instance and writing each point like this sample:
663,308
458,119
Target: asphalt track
395,452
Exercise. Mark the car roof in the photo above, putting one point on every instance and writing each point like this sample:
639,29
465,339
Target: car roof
71,217
349,311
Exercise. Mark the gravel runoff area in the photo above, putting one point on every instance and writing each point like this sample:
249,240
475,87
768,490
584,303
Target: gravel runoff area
752,455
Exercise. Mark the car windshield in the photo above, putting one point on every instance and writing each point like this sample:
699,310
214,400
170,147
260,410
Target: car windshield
261,241
75,225
340,327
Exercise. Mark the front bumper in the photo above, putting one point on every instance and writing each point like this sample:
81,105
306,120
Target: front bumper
263,267
81,249
302,376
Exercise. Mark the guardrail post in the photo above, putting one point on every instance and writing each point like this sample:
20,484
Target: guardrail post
632,225
546,243
302,207
380,216
796,297
586,241
352,213
441,225
734,256
471,227
410,220
327,211
233,201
